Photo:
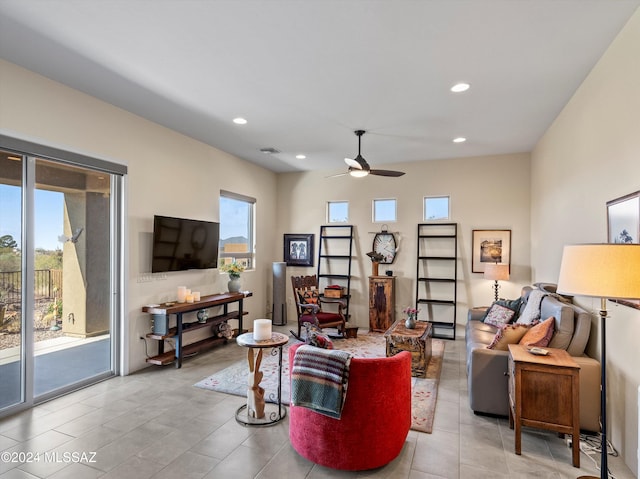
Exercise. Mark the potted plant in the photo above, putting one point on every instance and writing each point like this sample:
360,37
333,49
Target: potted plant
233,270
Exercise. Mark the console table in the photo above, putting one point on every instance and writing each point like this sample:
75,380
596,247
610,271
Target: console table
176,333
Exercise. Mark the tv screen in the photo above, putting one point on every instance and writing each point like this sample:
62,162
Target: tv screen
180,244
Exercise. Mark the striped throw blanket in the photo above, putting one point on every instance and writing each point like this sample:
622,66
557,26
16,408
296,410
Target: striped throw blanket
319,379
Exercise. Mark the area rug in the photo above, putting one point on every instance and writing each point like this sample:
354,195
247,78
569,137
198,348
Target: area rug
233,379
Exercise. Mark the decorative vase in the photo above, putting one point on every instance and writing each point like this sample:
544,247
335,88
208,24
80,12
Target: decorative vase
234,284
410,323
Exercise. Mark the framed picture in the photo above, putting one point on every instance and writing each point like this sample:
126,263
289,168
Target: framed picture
623,226
298,250
623,219
490,246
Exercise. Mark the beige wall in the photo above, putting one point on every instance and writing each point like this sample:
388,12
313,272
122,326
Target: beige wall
169,174
486,193
591,155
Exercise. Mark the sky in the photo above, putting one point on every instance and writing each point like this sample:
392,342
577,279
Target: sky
49,215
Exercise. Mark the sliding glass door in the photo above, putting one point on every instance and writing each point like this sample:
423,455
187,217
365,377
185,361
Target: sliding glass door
59,275
11,330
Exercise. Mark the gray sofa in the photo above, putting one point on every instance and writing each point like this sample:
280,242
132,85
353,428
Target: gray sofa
487,368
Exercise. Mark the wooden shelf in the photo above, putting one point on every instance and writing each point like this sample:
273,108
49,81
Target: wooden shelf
187,327
193,348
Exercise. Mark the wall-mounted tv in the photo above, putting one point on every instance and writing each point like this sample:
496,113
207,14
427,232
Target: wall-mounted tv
180,244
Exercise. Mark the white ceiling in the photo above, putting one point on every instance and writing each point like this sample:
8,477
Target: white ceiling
307,73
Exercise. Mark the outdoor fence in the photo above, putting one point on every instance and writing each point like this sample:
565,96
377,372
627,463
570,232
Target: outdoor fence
48,285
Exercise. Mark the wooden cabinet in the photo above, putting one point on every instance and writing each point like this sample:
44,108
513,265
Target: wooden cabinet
382,302
544,393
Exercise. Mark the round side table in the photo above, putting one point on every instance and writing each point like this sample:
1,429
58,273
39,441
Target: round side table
257,412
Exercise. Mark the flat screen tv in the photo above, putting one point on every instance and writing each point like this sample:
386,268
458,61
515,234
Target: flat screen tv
180,244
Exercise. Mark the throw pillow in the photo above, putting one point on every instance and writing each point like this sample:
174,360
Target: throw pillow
499,315
531,312
508,334
540,335
513,304
315,337
308,296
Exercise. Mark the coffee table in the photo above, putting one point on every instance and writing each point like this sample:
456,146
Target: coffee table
417,341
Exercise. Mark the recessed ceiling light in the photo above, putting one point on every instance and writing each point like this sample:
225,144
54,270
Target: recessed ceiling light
460,139
240,121
460,87
300,157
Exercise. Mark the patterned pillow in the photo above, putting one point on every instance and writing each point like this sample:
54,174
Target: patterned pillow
315,337
540,335
308,296
499,315
508,334
513,304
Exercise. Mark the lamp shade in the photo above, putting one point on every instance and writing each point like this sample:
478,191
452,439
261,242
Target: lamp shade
498,272
601,270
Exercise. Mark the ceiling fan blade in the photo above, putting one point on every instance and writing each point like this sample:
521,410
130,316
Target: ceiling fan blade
386,173
335,176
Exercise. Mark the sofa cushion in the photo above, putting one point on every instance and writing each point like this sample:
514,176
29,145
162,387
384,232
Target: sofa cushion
499,315
508,334
565,321
540,334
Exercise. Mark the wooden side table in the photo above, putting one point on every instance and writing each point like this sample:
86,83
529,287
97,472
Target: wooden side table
256,412
544,392
417,341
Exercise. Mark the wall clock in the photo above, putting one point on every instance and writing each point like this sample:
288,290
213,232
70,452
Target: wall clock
384,243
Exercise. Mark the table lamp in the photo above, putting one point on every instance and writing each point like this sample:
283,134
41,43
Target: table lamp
605,271
496,272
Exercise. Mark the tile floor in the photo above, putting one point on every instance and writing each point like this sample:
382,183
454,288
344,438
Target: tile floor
155,424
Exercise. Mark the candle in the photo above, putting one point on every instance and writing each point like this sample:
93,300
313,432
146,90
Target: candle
189,298
196,295
261,329
182,293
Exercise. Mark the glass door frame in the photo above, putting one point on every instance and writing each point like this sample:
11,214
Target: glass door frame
30,153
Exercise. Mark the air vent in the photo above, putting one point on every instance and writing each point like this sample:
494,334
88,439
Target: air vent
269,151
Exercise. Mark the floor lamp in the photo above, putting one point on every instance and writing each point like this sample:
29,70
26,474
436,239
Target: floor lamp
605,271
496,272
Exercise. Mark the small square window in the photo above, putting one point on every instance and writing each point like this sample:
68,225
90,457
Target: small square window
384,210
436,208
337,211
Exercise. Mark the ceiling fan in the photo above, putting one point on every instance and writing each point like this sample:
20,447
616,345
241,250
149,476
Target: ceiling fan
359,167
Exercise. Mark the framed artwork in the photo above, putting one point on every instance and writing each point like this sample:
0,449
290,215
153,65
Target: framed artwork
623,226
490,246
623,219
298,250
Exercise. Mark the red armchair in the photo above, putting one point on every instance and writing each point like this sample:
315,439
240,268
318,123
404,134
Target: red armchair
375,420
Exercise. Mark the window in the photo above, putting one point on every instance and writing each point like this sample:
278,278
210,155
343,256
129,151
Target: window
384,210
236,229
436,208
337,211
